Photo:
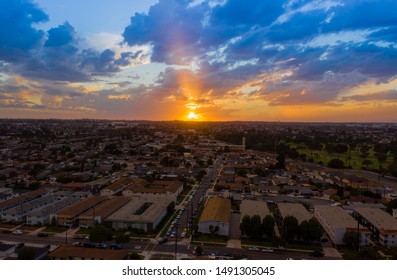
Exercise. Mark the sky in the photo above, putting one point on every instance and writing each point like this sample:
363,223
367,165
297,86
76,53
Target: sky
201,60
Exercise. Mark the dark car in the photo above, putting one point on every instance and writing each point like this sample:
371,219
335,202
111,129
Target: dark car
115,246
163,240
317,254
42,234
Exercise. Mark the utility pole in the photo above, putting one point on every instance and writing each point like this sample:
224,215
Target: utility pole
176,241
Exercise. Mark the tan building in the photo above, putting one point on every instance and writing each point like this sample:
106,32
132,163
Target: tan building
154,190
252,208
102,211
381,224
70,215
215,217
140,213
296,210
117,187
336,222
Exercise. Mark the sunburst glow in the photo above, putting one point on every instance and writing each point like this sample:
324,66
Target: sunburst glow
193,116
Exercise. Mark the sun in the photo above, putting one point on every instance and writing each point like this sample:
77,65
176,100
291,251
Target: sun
192,116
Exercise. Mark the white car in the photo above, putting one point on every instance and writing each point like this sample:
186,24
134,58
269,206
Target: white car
267,250
17,231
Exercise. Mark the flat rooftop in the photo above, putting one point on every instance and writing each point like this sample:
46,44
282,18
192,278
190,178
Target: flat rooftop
383,221
107,208
254,207
296,210
82,206
120,184
336,216
140,210
143,186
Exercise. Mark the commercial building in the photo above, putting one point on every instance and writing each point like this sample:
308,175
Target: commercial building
140,213
382,225
336,222
101,212
215,218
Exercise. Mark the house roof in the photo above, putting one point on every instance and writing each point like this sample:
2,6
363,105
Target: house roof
216,208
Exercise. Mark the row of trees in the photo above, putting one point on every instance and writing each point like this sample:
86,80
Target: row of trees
256,229
309,231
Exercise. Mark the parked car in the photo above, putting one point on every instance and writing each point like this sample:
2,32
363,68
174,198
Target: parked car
267,250
115,246
163,240
317,254
17,231
42,234
253,248
78,236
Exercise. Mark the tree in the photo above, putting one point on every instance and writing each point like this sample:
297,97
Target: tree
350,239
26,253
280,164
100,233
122,238
315,230
245,225
199,250
366,162
268,224
256,228
290,228
336,163
213,229
393,168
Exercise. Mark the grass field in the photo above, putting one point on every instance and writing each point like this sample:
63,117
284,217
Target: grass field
351,158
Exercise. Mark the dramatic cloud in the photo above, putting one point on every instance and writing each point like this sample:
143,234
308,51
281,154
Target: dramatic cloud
17,34
209,54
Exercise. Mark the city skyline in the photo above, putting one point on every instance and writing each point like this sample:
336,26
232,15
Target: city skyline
292,60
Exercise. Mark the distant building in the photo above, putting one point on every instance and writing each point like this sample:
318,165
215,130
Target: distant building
117,187
215,217
156,189
382,225
336,222
101,212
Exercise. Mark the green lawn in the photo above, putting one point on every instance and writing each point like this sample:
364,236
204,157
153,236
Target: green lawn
355,160
54,229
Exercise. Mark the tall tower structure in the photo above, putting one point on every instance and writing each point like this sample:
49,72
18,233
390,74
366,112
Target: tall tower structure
243,144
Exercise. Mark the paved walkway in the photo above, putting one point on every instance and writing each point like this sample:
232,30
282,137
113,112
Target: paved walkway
234,243
332,253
